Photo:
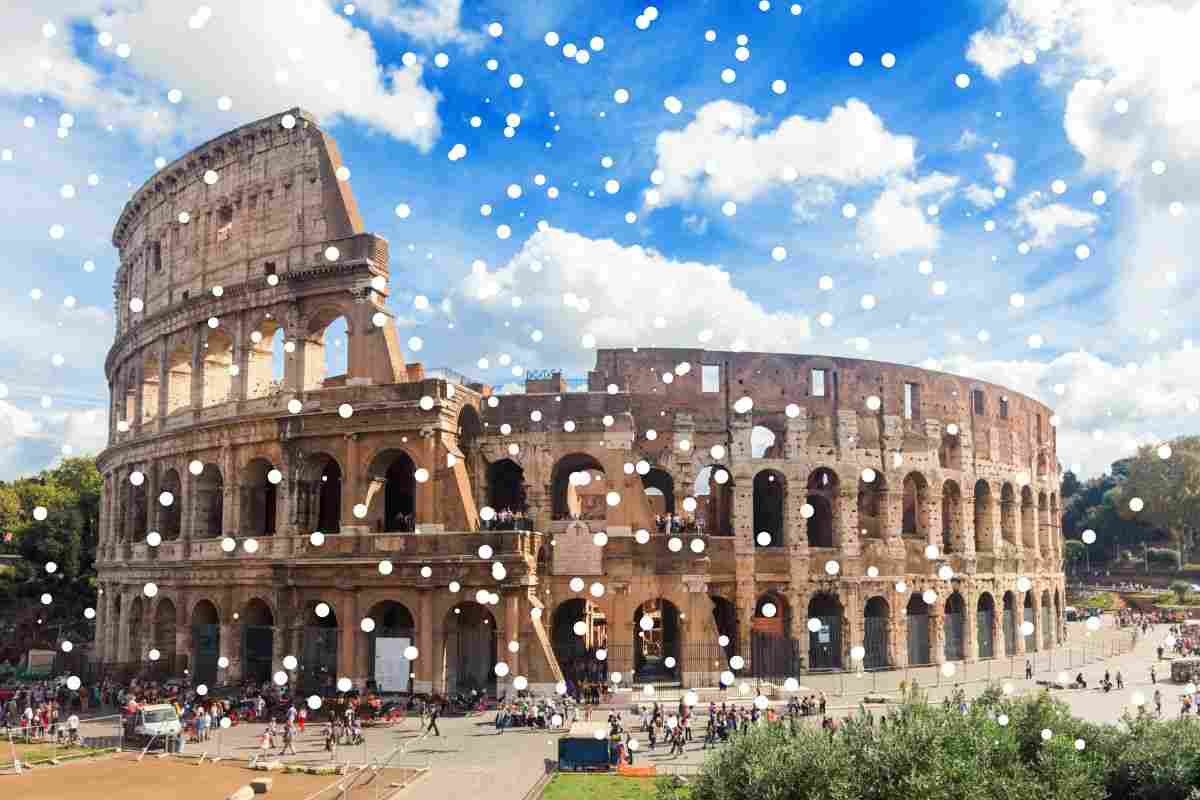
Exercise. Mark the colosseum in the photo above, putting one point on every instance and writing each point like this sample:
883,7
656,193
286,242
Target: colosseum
415,530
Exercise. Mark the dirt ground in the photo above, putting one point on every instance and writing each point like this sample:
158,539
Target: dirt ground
124,776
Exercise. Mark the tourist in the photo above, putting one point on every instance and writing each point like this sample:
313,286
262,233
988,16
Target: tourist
1153,675
1120,679
1158,702
1028,669
434,710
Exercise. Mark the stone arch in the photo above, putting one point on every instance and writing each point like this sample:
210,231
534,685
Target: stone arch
328,359
179,374
1030,614
660,481
877,615
657,640
770,499
954,627
467,434
136,613
983,517
1059,620
258,639
258,498
1047,620
395,629
217,364
1028,520
150,384
139,512
985,625
1043,465
506,486
1011,624
209,487
1045,526
576,650
164,635
392,493
871,496
319,646
319,495
917,617
952,521
726,620
822,493
765,443
773,651
564,489
470,649
914,519
206,640
950,452
265,358
170,516
825,643
1008,514
713,491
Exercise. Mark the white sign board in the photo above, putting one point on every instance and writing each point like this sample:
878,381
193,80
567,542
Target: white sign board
391,667
823,636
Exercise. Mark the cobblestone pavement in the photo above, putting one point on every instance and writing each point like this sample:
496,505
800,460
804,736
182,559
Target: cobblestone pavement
471,759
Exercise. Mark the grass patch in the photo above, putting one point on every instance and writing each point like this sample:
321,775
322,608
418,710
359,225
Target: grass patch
1104,600
572,786
40,751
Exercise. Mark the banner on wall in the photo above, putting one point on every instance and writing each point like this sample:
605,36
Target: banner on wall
391,667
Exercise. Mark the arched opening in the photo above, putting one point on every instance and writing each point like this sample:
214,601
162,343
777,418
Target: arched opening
870,506
506,489
326,350
392,495
318,663
875,633
951,518
660,491
950,452
914,521
264,360
985,625
138,510
319,494
725,617
258,640
163,637
656,641
258,499
1045,527
179,378
210,503
822,490
572,493
1058,618
130,388
150,386
169,516
218,367
764,443
955,627
713,491
393,633
1043,465
1008,514
136,612
1010,624
206,642
1047,620
578,630
469,431
470,649
769,491
918,630
774,653
824,643
983,517
1028,521
114,631
1031,640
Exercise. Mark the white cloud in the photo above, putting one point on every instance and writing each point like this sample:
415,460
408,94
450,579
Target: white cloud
996,52
896,222
980,196
434,21
242,51
1106,409
1043,220
719,153
1003,168
30,442
632,296
967,139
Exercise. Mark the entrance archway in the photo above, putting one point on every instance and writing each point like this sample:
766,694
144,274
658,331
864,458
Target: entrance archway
773,652
258,640
825,643
578,629
506,486
206,642
210,503
985,625
656,639
394,632
567,479
875,633
136,651
1047,624
770,490
918,631
713,491
725,616
663,485
394,482
169,516
822,492
1031,640
163,637
318,663
258,499
1010,624
470,649
955,628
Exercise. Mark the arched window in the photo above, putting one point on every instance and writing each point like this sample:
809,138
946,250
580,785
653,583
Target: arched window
575,488
327,350
915,516
169,516
951,517
713,491
210,503
218,366
764,443
265,360
983,517
506,487
258,498
821,495
657,484
1008,514
393,492
769,491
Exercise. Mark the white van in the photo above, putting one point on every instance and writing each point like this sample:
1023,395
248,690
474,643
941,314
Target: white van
149,722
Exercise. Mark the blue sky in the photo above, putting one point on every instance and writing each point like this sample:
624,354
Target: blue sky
992,284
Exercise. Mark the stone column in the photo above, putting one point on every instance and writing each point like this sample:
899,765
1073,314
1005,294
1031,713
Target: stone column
846,533
1046,537
937,631
354,488
348,620
970,625
1037,620
154,509
995,535
799,622
101,626
140,378
898,631
123,632
933,519
241,358
967,515
196,390
427,660
163,381
512,632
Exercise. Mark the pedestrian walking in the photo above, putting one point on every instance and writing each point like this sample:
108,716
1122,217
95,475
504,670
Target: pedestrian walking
1153,675
289,740
433,718
1028,670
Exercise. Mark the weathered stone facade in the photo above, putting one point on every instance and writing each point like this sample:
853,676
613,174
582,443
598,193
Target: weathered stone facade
812,487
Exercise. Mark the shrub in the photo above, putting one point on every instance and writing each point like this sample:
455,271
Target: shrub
1163,556
1181,589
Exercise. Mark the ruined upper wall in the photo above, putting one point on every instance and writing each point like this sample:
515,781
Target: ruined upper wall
276,196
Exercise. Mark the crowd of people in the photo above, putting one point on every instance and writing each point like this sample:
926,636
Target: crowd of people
674,523
508,520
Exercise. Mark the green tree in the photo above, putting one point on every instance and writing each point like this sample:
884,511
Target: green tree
1170,489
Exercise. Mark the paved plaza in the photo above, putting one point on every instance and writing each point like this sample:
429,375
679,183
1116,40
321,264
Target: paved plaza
471,757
